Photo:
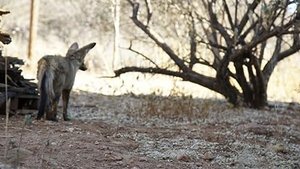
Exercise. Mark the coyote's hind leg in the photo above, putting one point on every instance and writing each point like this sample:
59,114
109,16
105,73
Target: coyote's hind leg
65,98
52,114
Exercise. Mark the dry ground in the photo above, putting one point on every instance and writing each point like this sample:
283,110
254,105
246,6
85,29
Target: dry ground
155,132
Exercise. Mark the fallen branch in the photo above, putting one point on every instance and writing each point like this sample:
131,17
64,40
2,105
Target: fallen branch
151,70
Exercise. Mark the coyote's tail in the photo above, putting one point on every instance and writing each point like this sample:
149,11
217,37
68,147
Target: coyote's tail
45,85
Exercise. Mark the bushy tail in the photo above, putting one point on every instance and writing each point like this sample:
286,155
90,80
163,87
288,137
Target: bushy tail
45,84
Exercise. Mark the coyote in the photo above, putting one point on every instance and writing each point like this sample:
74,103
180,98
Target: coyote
56,75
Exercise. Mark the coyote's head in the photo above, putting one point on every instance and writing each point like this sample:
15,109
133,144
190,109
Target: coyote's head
78,54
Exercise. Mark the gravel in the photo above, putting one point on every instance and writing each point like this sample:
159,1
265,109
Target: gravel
212,131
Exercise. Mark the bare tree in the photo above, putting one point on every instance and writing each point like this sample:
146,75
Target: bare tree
244,42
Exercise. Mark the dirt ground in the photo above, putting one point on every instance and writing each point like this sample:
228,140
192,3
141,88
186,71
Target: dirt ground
140,132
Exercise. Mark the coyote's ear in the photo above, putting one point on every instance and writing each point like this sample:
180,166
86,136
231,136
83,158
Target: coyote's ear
84,50
73,48
88,47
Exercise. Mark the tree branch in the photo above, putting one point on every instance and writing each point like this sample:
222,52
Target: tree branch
278,31
4,12
191,76
151,70
245,18
228,15
149,10
247,32
216,25
193,43
271,64
155,37
212,44
288,52
262,51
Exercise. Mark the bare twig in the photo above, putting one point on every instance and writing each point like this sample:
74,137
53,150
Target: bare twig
212,44
141,54
7,112
4,12
44,148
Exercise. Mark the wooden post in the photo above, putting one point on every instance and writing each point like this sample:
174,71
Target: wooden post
34,8
116,13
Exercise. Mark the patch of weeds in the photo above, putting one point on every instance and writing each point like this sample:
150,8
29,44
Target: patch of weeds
177,105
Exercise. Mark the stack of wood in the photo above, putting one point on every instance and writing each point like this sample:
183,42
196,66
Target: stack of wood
20,92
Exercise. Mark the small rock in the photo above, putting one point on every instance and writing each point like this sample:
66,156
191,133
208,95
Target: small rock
135,167
143,159
71,129
279,148
131,161
119,163
183,157
200,165
159,166
208,156
53,144
104,148
113,157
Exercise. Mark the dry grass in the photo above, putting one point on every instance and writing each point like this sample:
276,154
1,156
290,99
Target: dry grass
177,106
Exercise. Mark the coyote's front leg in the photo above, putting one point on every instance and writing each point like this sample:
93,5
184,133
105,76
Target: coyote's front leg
65,98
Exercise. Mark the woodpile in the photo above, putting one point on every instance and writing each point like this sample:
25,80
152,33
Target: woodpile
14,88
